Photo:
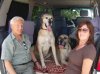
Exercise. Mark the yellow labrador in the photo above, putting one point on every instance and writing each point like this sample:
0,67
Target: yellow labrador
64,47
46,39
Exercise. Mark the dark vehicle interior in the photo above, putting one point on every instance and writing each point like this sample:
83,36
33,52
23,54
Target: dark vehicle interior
67,14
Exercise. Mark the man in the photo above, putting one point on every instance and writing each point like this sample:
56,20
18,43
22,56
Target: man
16,51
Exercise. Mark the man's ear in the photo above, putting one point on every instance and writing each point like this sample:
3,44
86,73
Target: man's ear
10,28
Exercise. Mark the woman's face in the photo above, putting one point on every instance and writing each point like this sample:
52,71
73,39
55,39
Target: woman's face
83,33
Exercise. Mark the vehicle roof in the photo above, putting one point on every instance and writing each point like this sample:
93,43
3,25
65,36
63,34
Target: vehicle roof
65,3
62,3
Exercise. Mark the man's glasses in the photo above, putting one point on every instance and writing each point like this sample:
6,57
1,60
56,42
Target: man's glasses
84,30
24,44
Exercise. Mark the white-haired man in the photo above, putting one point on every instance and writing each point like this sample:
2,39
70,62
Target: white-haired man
16,51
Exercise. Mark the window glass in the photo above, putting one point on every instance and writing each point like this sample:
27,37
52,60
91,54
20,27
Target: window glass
74,13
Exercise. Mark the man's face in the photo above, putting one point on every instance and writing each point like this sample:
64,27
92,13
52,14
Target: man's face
17,27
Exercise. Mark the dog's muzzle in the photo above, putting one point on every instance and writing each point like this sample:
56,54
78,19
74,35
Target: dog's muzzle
61,42
50,22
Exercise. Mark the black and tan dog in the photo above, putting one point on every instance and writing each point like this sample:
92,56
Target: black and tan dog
46,39
64,47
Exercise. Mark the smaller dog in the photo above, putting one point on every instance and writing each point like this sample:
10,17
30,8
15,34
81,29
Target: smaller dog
65,48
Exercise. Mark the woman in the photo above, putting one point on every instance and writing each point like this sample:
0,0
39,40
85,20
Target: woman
82,56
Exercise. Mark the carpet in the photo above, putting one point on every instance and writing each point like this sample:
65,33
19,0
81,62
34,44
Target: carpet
52,68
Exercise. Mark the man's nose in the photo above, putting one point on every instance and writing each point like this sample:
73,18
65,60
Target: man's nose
20,27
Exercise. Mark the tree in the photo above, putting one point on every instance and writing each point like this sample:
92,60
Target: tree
70,14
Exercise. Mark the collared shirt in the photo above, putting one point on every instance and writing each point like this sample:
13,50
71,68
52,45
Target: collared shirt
15,50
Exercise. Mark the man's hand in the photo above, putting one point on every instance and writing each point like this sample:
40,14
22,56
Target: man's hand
38,65
9,67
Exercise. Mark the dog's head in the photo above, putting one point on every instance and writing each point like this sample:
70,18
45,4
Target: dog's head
63,40
47,20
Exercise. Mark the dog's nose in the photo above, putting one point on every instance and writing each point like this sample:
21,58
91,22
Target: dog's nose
59,42
50,21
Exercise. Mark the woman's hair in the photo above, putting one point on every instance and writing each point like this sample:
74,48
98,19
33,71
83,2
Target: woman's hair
91,31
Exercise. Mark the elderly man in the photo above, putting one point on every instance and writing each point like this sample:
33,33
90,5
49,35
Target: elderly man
16,51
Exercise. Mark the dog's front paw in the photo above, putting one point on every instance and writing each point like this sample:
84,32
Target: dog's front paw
64,62
43,66
57,64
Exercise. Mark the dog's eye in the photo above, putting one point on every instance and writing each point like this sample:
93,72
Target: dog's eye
65,38
60,37
51,18
46,17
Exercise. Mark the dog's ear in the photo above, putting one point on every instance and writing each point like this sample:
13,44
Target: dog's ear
41,21
69,39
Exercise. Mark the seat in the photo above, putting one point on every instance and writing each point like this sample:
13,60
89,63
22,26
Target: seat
3,34
28,29
97,59
83,16
59,25
98,65
36,29
96,23
70,26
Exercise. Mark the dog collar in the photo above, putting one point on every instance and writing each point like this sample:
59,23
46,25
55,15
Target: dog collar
43,29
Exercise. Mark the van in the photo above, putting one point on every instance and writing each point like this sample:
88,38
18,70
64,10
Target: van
66,12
